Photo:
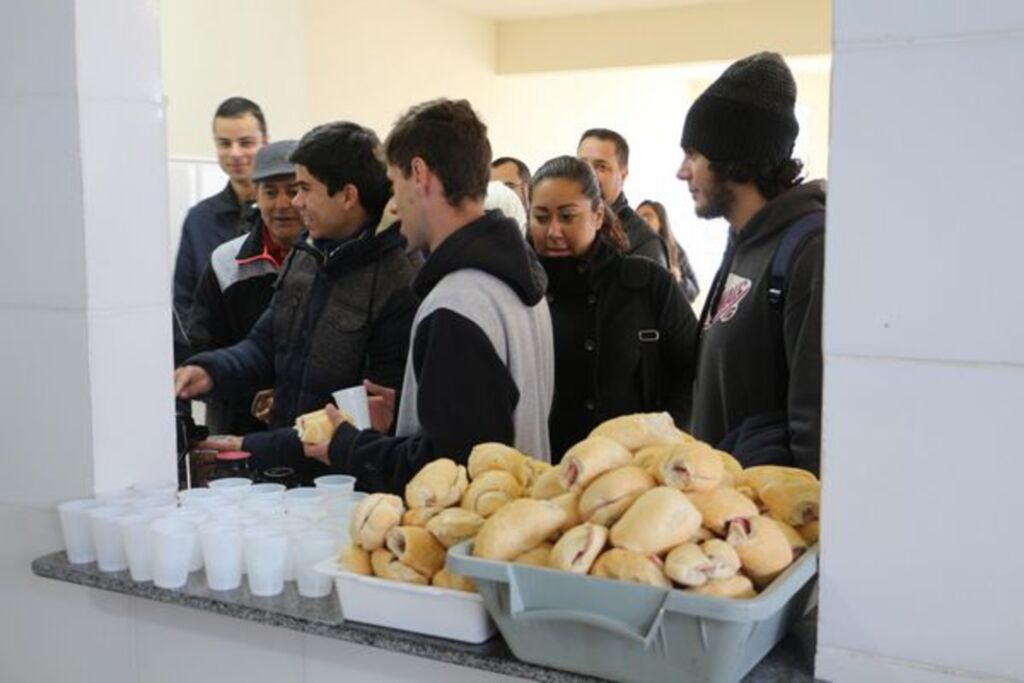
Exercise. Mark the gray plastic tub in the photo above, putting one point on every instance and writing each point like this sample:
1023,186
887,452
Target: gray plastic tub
628,632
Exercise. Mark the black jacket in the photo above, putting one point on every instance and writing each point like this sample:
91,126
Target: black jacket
334,320
465,392
233,293
688,281
624,342
642,240
755,358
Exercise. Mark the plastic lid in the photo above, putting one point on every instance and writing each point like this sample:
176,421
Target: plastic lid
232,455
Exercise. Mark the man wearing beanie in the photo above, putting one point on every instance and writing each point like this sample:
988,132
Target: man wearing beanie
758,387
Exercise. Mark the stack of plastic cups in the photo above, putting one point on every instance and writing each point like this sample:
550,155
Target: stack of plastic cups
137,534
264,500
305,502
222,554
265,550
77,529
313,546
337,490
174,539
234,489
195,516
106,536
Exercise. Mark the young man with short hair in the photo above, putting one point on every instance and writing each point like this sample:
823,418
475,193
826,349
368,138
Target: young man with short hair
239,131
341,311
758,387
607,152
513,174
481,361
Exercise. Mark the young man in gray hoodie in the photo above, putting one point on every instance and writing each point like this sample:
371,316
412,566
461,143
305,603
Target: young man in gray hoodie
481,360
758,387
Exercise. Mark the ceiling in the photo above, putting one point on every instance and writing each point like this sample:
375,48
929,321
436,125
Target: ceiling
504,10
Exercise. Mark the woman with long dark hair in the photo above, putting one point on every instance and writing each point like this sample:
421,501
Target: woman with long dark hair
624,335
654,213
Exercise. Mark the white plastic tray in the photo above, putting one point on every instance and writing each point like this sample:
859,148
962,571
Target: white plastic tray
433,611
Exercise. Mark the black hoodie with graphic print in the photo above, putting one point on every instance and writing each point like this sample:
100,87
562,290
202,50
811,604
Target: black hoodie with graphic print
755,358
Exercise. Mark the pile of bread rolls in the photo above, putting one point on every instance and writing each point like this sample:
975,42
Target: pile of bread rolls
445,504
639,500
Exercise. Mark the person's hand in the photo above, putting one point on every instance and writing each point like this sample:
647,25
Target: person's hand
191,381
382,406
221,443
262,403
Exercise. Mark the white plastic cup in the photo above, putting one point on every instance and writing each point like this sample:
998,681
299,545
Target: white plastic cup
106,536
335,485
338,527
312,546
160,488
266,490
292,527
149,501
137,535
354,402
222,554
304,500
198,497
173,542
232,488
196,516
343,506
77,529
117,496
266,552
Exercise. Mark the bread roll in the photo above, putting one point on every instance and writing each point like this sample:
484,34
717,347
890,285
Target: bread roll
354,559
722,505
385,566
497,456
702,534
570,504
419,516
458,582
694,466
792,502
762,546
732,465
687,565
373,517
648,458
641,430
454,525
611,494
578,547
314,428
416,547
490,491
796,541
737,587
517,527
626,565
548,484
725,563
539,467
535,557
589,459
440,483
761,475
660,519
809,531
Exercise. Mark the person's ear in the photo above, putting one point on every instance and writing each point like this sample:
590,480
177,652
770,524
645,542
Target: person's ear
625,172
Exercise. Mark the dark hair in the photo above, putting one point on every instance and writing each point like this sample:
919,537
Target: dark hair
344,153
579,172
621,146
451,139
524,170
237,107
771,179
664,231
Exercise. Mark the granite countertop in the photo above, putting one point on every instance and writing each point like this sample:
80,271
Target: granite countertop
789,662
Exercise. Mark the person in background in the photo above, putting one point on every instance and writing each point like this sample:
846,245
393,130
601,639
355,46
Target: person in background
342,308
758,389
607,152
239,280
239,131
481,361
624,335
678,264
515,175
500,197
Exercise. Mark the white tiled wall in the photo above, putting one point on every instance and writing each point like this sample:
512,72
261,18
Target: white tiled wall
924,377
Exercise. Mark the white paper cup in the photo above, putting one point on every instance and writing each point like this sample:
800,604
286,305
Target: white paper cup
137,535
354,402
173,542
312,546
222,554
266,552
232,488
198,497
77,529
106,537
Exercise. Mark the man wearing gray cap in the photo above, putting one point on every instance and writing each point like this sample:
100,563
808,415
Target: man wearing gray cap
238,282
758,388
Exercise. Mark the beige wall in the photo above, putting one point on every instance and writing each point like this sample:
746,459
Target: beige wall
665,36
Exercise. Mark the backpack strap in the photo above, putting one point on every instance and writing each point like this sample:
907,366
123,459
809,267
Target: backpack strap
796,234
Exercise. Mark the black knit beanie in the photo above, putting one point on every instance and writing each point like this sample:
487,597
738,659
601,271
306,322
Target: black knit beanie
747,114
